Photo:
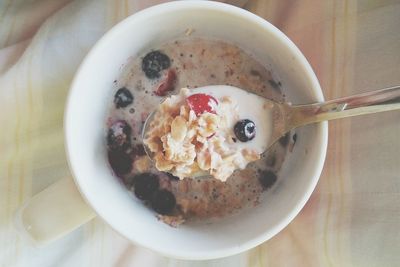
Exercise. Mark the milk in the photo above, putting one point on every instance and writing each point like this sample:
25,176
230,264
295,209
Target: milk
250,106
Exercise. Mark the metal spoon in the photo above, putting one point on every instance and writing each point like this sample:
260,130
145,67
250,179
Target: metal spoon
286,117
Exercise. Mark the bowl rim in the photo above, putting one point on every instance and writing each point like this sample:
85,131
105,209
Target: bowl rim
322,128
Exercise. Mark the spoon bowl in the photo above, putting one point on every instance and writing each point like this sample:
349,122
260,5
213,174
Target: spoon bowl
275,119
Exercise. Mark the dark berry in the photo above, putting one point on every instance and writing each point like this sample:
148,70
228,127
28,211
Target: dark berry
119,136
284,140
171,176
145,185
163,202
153,63
245,130
120,162
123,98
138,150
267,179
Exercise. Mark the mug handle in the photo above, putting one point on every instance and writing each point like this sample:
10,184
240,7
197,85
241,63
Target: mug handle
53,213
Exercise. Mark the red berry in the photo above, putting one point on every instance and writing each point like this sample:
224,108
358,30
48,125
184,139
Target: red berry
201,103
167,84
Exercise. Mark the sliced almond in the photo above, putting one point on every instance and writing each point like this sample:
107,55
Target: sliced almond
178,128
161,163
250,155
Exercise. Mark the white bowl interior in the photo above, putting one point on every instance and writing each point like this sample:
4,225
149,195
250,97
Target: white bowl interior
88,104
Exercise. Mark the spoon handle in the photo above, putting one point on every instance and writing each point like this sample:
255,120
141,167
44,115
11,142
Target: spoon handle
372,102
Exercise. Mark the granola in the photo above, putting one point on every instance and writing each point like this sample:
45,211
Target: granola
185,142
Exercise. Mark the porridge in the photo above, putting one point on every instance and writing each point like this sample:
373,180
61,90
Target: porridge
145,82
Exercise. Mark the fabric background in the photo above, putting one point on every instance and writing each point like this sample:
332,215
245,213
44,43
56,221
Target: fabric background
352,218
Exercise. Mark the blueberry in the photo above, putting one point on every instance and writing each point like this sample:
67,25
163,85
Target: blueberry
245,130
123,98
120,162
154,62
145,185
163,202
119,136
267,179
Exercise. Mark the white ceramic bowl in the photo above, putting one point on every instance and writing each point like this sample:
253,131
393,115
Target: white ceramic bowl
91,93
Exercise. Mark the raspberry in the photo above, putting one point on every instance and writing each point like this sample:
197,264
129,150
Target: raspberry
201,103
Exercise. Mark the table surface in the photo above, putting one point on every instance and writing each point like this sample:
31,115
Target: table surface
352,218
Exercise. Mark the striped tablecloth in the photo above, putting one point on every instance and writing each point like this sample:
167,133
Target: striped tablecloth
352,218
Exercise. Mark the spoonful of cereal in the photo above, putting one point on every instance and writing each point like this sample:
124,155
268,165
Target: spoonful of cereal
214,130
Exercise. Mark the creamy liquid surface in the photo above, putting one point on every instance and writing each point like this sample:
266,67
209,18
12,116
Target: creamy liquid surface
250,106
